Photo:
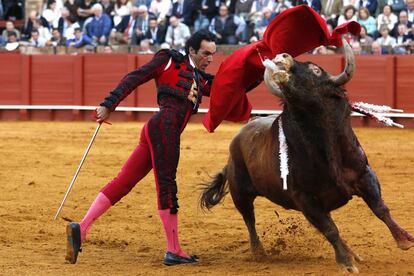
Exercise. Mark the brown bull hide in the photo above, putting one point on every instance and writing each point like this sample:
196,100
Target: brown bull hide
327,164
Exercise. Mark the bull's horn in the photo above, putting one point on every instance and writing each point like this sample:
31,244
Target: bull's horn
271,84
349,69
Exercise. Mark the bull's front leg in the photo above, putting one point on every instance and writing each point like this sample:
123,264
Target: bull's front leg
313,211
369,190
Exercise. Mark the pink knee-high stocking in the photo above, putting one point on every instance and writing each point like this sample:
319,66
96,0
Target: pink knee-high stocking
98,207
171,232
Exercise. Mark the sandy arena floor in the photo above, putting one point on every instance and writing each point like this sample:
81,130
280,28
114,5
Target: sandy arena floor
38,161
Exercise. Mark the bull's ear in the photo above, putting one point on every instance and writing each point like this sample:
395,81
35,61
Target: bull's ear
349,69
271,84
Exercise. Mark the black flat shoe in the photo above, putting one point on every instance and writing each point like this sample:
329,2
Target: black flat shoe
174,259
73,243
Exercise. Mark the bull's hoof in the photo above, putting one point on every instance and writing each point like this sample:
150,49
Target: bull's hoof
350,269
258,251
406,241
405,244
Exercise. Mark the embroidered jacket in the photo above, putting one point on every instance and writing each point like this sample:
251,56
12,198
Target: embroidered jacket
173,74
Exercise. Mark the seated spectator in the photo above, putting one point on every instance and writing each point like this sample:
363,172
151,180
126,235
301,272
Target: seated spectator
314,4
397,5
348,15
386,18
402,19
377,50
356,48
281,5
10,28
204,10
122,8
51,14
2,40
108,8
85,10
227,27
142,24
401,40
366,20
100,26
177,33
371,5
184,10
161,8
62,22
12,37
144,47
385,40
243,8
31,21
155,33
410,36
72,24
263,22
57,39
331,9
79,40
12,42
36,40
132,28
365,40
43,31
72,7
258,6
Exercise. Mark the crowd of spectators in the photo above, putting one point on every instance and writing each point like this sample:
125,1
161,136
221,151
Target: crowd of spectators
150,24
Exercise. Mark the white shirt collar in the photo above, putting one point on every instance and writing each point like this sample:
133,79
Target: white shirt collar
191,62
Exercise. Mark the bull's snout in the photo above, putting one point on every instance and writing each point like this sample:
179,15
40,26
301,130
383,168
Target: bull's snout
283,61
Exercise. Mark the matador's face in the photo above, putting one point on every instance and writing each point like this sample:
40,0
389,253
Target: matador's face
204,56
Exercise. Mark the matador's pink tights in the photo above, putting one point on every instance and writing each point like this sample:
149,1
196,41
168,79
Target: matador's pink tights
136,167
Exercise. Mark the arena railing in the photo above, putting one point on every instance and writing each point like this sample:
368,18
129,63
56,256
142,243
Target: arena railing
260,112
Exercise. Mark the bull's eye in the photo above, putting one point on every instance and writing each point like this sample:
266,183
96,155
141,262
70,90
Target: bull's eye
315,69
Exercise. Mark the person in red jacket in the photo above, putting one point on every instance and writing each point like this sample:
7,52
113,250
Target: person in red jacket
181,82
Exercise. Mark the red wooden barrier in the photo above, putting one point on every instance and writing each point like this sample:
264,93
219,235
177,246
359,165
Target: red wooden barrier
86,79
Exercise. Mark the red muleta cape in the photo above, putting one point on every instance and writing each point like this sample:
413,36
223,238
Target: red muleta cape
295,31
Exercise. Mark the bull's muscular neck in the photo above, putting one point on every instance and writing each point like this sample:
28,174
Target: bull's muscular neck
318,135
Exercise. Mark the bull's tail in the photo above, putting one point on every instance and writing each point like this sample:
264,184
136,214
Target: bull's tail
214,191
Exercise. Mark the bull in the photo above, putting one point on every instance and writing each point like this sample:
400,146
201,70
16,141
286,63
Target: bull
327,163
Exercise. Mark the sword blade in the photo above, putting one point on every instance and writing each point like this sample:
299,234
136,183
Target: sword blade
77,171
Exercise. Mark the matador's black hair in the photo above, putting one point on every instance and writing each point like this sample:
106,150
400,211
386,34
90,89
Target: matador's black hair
195,40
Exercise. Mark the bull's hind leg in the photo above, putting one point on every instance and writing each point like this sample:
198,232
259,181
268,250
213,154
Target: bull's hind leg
323,222
244,194
371,193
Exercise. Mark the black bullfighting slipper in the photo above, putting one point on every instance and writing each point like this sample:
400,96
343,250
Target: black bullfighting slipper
174,259
73,243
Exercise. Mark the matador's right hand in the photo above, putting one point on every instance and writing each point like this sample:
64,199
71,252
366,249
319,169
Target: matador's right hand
102,114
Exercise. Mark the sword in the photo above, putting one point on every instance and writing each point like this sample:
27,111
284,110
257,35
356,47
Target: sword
77,171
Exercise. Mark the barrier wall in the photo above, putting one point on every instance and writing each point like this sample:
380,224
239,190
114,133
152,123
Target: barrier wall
86,79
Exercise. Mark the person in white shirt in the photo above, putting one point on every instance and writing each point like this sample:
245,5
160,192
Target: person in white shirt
177,33
348,15
161,9
36,40
386,18
385,40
